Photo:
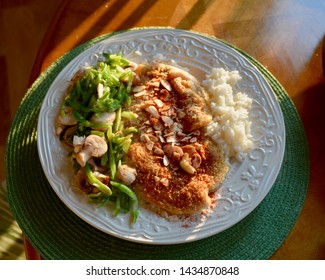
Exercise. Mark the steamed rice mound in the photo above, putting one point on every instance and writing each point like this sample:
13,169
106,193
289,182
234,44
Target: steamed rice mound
231,125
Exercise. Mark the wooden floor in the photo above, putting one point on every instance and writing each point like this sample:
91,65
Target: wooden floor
22,26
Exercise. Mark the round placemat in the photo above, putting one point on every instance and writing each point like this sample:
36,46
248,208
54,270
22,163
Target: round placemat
57,233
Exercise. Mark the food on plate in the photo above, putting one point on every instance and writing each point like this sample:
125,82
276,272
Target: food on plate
177,166
91,124
150,132
231,125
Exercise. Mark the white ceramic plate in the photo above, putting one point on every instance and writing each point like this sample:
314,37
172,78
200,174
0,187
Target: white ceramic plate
247,182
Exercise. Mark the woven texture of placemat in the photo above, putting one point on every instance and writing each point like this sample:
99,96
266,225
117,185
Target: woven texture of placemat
57,233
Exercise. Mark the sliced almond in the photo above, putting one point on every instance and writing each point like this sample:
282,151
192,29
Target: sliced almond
157,151
144,138
165,160
169,134
153,111
180,125
138,88
186,138
153,138
171,139
166,85
159,103
162,140
167,120
170,112
150,145
175,127
180,133
154,84
139,94
164,182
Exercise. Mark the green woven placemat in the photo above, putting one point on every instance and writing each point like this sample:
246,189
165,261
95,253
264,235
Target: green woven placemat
57,233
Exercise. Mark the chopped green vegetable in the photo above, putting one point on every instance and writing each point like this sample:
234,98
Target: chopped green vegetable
135,205
129,115
111,160
105,87
116,80
95,182
98,133
130,130
117,121
117,205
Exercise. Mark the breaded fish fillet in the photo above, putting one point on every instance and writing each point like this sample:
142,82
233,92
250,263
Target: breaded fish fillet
177,167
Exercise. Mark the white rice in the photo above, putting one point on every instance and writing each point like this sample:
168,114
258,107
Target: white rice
231,125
